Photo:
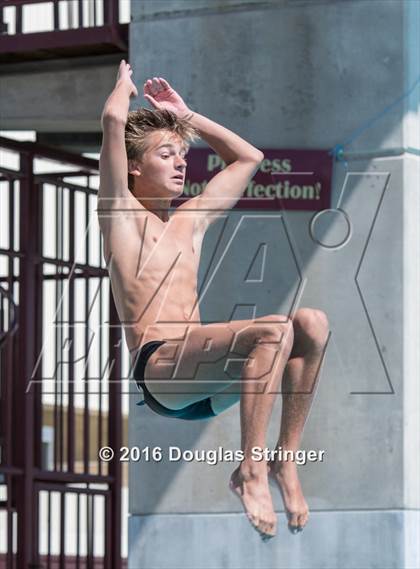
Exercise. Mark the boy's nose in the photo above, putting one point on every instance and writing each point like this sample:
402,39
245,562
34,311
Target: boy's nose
180,163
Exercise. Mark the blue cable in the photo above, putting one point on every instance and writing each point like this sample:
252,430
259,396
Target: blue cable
338,150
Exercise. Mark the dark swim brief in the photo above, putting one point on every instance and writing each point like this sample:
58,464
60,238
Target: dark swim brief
194,412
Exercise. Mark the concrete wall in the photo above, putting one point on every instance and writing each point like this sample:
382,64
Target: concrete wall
64,95
302,75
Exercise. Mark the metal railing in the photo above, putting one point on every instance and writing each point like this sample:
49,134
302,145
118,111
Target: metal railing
62,26
60,506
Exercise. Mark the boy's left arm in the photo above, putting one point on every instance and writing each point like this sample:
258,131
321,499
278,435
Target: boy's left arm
241,158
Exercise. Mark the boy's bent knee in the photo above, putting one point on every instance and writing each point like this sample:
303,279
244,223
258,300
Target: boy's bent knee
312,324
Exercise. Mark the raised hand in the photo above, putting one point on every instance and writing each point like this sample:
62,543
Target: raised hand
124,77
161,96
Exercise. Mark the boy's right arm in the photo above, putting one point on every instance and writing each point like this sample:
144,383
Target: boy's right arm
113,167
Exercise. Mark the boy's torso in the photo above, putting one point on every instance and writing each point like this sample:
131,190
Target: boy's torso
153,268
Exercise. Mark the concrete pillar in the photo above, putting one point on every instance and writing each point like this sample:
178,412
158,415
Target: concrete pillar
302,75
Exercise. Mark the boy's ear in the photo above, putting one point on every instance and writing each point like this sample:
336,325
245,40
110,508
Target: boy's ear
134,168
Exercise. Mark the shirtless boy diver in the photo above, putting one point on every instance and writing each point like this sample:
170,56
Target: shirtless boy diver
152,254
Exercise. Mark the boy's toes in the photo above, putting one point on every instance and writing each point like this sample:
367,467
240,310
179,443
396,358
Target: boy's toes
265,529
268,529
293,524
303,520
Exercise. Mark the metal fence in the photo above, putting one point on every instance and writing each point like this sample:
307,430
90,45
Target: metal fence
60,368
41,29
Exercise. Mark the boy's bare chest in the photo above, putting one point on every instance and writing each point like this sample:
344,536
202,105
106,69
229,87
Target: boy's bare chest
176,242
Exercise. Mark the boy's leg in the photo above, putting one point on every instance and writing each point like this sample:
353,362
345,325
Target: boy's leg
268,342
204,360
310,328
250,480
232,395
298,388
299,385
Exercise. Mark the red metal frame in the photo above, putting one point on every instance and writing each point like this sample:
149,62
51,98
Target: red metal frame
111,36
21,410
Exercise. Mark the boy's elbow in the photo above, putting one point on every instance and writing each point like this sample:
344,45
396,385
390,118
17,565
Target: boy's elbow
256,157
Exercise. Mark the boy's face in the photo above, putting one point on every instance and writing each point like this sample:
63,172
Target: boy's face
162,167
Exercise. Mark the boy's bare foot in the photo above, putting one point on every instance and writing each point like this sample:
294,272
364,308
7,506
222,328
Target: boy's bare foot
286,476
254,493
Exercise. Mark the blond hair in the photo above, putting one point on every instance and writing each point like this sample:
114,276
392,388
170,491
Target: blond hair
142,122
